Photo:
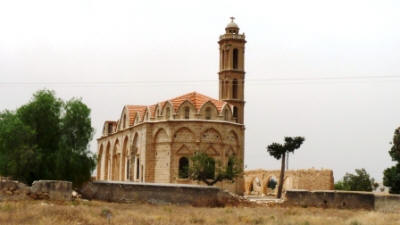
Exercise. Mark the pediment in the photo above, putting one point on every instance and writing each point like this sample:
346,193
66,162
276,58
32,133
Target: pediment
183,151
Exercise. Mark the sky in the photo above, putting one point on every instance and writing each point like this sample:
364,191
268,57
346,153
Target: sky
325,70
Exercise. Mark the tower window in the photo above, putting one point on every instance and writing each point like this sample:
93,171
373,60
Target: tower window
187,112
235,58
235,113
226,89
183,167
234,88
208,113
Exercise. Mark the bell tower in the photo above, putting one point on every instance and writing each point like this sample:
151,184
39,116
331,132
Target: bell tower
231,69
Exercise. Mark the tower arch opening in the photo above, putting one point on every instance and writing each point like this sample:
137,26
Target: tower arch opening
235,89
235,60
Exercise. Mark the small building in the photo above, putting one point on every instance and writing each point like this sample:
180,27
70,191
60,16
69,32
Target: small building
154,143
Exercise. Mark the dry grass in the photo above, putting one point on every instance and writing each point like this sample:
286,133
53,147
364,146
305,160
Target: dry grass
94,212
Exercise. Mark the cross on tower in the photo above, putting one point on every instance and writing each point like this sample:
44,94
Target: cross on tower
232,18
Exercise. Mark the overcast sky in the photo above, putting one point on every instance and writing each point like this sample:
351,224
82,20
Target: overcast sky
325,70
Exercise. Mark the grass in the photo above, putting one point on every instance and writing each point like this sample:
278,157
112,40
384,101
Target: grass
95,212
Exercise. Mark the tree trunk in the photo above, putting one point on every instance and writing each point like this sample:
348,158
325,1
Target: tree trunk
282,175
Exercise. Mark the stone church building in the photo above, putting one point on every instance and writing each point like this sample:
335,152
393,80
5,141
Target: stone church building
154,143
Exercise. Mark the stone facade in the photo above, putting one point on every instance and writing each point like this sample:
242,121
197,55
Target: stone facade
256,181
154,143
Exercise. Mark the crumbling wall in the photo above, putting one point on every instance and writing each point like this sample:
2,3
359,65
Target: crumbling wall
42,189
54,189
256,181
387,203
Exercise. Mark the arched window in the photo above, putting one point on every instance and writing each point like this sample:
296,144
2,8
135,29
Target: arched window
208,113
183,167
235,113
223,60
226,89
110,128
137,168
235,58
272,183
168,113
210,168
124,122
230,165
127,169
187,112
226,115
234,88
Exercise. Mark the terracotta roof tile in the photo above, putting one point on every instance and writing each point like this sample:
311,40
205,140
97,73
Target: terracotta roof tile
197,99
133,109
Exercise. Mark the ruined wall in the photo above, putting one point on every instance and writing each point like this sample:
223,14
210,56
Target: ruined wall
42,189
256,181
343,200
331,199
158,193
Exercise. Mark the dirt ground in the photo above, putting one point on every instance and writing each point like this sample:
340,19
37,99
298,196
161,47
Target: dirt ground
95,212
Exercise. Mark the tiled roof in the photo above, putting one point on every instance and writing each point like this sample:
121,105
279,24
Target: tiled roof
197,99
133,109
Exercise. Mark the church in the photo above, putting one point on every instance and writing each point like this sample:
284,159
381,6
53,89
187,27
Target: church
154,143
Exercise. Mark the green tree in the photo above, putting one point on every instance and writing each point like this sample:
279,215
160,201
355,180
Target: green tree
210,171
391,179
47,138
279,151
360,181
391,176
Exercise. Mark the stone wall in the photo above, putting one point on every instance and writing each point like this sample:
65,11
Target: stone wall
55,189
387,203
256,181
330,199
158,193
343,200
42,189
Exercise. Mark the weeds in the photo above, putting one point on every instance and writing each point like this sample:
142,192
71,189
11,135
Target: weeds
105,213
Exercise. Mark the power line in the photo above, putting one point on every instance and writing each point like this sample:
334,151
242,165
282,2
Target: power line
251,81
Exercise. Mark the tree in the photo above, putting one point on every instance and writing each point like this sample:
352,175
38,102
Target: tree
391,176
360,181
278,151
47,138
391,179
210,171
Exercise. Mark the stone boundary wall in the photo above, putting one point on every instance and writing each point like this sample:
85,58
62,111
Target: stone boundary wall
256,181
158,193
343,200
11,190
